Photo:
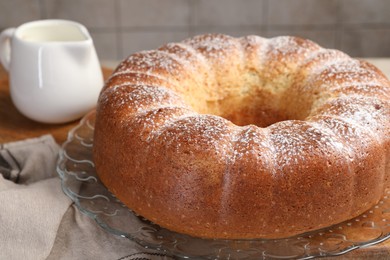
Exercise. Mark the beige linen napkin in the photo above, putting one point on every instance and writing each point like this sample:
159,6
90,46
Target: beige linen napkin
37,220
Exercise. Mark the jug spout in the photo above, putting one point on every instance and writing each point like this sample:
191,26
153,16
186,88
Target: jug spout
81,53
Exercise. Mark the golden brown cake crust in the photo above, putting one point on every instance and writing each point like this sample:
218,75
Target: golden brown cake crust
224,137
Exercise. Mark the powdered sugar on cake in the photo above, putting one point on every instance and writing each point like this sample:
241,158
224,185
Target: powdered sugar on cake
321,158
337,73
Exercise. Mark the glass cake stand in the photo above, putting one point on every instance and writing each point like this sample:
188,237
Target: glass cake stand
80,182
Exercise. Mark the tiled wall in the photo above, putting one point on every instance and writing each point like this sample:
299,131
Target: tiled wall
120,27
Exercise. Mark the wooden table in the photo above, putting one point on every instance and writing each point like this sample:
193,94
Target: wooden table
14,126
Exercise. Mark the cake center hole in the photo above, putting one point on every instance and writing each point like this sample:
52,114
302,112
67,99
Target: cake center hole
250,101
249,97
248,110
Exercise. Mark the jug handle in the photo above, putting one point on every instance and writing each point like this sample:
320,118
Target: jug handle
5,47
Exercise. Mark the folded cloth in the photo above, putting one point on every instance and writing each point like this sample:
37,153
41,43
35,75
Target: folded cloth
31,200
37,220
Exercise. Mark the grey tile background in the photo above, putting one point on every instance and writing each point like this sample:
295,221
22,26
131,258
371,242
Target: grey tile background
303,12
120,27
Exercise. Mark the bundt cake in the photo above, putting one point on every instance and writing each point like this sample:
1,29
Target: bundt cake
223,137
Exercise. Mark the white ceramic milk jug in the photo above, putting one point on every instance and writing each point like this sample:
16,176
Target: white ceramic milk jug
55,75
